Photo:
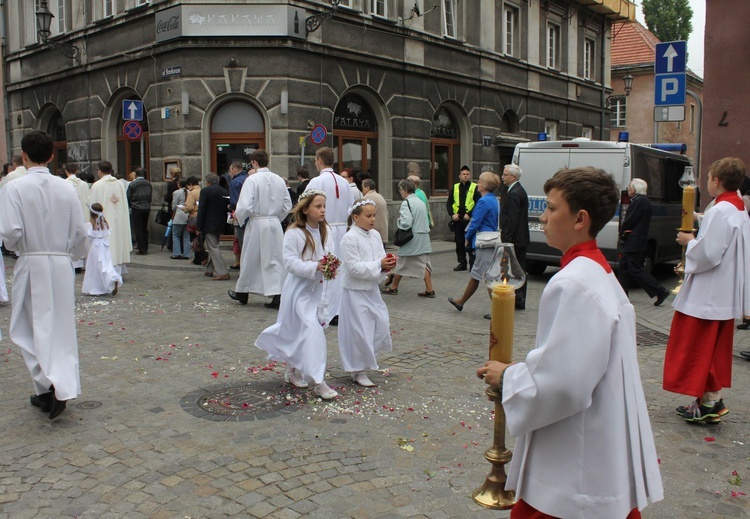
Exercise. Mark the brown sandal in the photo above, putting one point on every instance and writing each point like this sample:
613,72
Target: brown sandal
390,291
427,294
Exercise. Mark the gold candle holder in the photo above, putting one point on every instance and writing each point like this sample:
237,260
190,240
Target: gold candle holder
686,225
492,493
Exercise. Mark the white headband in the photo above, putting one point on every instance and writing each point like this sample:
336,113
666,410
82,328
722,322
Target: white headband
359,203
311,192
98,213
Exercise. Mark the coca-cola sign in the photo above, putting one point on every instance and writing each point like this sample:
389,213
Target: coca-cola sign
168,24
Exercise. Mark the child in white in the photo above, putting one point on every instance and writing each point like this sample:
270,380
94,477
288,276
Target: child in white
364,326
101,277
298,337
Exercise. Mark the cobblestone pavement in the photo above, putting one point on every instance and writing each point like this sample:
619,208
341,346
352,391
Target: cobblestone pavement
182,417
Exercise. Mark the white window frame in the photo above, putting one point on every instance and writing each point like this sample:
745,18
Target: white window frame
553,45
587,132
550,128
345,3
589,58
139,3
61,17
450,26
379,8
511,29
108,8
619,116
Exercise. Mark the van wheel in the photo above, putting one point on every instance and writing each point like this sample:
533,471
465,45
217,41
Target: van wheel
535,268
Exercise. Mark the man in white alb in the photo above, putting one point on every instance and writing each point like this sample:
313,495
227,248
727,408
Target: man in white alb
82,190
339,199
110,192
40,219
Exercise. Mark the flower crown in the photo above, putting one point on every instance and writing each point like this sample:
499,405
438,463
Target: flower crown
359,203
311,192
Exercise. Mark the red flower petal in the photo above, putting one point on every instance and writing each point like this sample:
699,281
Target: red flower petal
709,439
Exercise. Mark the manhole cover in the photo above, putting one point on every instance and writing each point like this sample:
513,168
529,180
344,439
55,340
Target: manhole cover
243,402
89,404
646,337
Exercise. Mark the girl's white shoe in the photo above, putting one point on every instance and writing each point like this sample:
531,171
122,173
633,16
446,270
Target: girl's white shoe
361,378
291,377
324,391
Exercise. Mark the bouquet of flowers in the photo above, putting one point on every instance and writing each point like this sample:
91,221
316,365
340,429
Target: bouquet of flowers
331,266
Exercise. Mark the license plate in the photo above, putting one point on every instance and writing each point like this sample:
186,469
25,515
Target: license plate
535,226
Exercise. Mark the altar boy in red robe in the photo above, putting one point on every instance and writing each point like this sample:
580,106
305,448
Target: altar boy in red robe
584,445
698,361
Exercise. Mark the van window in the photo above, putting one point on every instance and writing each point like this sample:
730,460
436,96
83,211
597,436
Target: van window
662,173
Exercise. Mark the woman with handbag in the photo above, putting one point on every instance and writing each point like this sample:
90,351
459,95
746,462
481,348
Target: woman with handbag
482,234
414,252
180,235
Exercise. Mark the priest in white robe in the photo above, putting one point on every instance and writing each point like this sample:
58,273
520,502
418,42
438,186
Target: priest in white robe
40,219
82,190
110,192
264,202
339,199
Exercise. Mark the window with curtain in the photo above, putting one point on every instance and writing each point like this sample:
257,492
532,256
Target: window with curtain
588,58
511,32
553,46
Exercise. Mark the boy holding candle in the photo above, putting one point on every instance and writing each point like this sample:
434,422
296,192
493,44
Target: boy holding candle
698,361
584,444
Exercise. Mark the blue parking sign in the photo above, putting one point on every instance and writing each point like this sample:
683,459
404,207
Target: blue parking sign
669,89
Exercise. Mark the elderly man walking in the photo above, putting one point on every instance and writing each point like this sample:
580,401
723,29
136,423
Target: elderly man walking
40,219
514,221
265,200
212,215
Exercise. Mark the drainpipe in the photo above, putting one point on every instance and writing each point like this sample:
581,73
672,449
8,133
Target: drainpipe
6,115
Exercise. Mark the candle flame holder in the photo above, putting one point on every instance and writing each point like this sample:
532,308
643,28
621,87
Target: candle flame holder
687,183
503,276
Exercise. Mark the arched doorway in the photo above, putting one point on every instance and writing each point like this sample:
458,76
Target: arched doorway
446,151
56,128
355,136
132,154
237,129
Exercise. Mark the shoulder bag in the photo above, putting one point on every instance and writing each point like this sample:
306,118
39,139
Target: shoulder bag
164,214
404,236
489,239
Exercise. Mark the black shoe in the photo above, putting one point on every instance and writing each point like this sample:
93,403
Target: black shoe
79,270
175,257
745,324
698,412
488,317
334,321
234,267
745,355
238,296
58,406
455,305
459,267
274,304
662,297
520,306
43,402
141,253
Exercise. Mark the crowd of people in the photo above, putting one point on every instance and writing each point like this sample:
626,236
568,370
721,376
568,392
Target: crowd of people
327,264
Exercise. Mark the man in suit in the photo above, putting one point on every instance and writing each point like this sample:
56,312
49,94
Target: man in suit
634,240
212,216
514,221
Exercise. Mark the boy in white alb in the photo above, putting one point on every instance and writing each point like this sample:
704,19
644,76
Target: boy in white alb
698,361
584,445
40,219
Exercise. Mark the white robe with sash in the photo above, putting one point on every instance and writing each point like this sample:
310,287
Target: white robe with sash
584,447
40,219
109,192
339,199
265,200
82,190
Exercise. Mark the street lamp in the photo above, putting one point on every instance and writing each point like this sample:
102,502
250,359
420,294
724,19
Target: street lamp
628,79
43,22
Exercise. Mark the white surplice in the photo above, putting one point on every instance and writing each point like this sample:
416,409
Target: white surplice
298,336
265,200
3,287
82,190
717,284
584,447
109,192
339,199
364,323
100,276
40,219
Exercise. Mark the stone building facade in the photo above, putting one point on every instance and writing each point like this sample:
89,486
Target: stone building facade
392,82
